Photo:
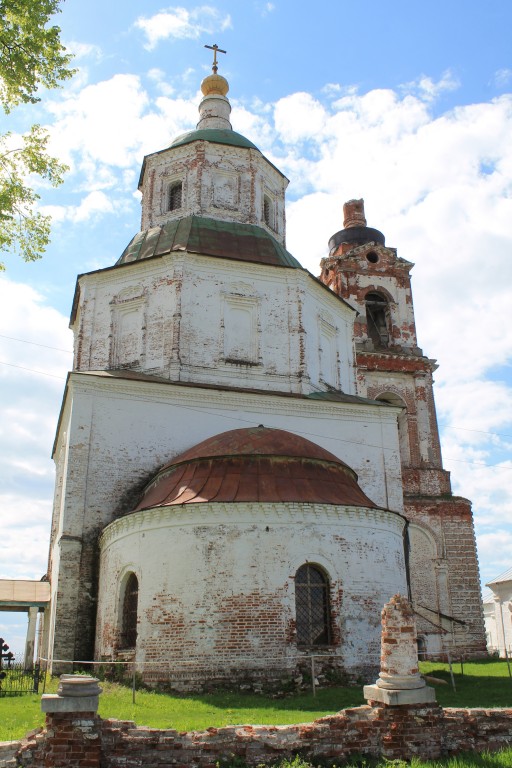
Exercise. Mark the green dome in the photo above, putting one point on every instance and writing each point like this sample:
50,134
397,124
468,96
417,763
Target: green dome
210,237
216,136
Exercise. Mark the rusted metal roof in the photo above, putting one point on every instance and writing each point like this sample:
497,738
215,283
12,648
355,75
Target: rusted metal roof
255,464
211,237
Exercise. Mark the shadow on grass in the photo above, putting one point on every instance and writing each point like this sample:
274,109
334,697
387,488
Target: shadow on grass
332,699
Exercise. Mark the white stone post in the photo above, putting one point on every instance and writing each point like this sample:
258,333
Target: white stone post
31,639
399,680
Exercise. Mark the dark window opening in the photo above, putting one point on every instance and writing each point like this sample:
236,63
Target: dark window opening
175,196
313,620
129,617
422,648
372,257
377,319
267,212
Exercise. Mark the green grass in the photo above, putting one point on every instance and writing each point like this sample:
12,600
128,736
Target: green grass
484,684
496,760
486,760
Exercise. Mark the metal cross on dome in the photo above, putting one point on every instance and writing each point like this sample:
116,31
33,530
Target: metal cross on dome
215,48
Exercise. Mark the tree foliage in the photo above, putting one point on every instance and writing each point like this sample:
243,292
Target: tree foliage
31,56
22,226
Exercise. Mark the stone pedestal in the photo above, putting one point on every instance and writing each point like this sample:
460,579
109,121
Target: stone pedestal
425,695
76,693
72,725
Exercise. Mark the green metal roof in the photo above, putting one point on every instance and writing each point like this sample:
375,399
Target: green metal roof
217,136
211,237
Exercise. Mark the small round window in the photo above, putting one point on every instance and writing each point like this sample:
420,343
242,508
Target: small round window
372,257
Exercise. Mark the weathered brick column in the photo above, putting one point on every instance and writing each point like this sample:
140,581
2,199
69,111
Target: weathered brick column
73,731
410,719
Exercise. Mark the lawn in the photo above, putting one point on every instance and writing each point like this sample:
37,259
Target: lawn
483,684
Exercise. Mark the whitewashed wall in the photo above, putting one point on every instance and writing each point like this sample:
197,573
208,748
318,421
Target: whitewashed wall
220,181
498,619
216,581
197,318
119,432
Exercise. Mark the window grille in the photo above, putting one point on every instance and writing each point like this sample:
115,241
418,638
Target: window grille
312,607
268,211
175,196
129,618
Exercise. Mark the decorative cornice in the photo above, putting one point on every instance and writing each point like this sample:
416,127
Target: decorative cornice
229,399
412,362
250,513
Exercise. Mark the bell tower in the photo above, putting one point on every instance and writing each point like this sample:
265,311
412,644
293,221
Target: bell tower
390,366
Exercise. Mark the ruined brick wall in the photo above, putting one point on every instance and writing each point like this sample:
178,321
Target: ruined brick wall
216,587
70,740
401,732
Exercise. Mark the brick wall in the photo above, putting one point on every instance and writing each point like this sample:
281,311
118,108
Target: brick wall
82,740
70,740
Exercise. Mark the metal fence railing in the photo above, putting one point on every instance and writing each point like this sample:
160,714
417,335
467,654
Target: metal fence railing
313,670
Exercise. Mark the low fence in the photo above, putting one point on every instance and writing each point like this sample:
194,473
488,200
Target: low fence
316,671
17,678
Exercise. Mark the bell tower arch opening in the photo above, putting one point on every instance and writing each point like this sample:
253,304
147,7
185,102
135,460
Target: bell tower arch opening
378,320
391,367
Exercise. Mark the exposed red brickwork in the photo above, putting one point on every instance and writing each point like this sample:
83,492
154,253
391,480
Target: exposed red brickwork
450,520
398,650
70,741
443,558
394,732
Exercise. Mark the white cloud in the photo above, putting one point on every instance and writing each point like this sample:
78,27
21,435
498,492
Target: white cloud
100,123
95,204
32,374
298,117
267,8
429,89
181,23
440,188
83,50
502,77
494,551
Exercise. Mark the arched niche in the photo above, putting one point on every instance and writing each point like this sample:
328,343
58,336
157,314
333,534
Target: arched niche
403,425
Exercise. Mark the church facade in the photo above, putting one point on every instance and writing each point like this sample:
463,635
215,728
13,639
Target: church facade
248,461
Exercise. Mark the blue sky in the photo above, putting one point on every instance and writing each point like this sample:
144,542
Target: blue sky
406,104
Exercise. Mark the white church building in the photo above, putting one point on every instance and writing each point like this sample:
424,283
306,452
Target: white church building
498,615
248,460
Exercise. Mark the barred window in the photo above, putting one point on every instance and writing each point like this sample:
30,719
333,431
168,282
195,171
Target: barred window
312,610
175,196
268,212
129,617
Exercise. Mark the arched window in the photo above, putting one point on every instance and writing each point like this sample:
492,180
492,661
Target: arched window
129,616
175,196
312,610
377,319
268,212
